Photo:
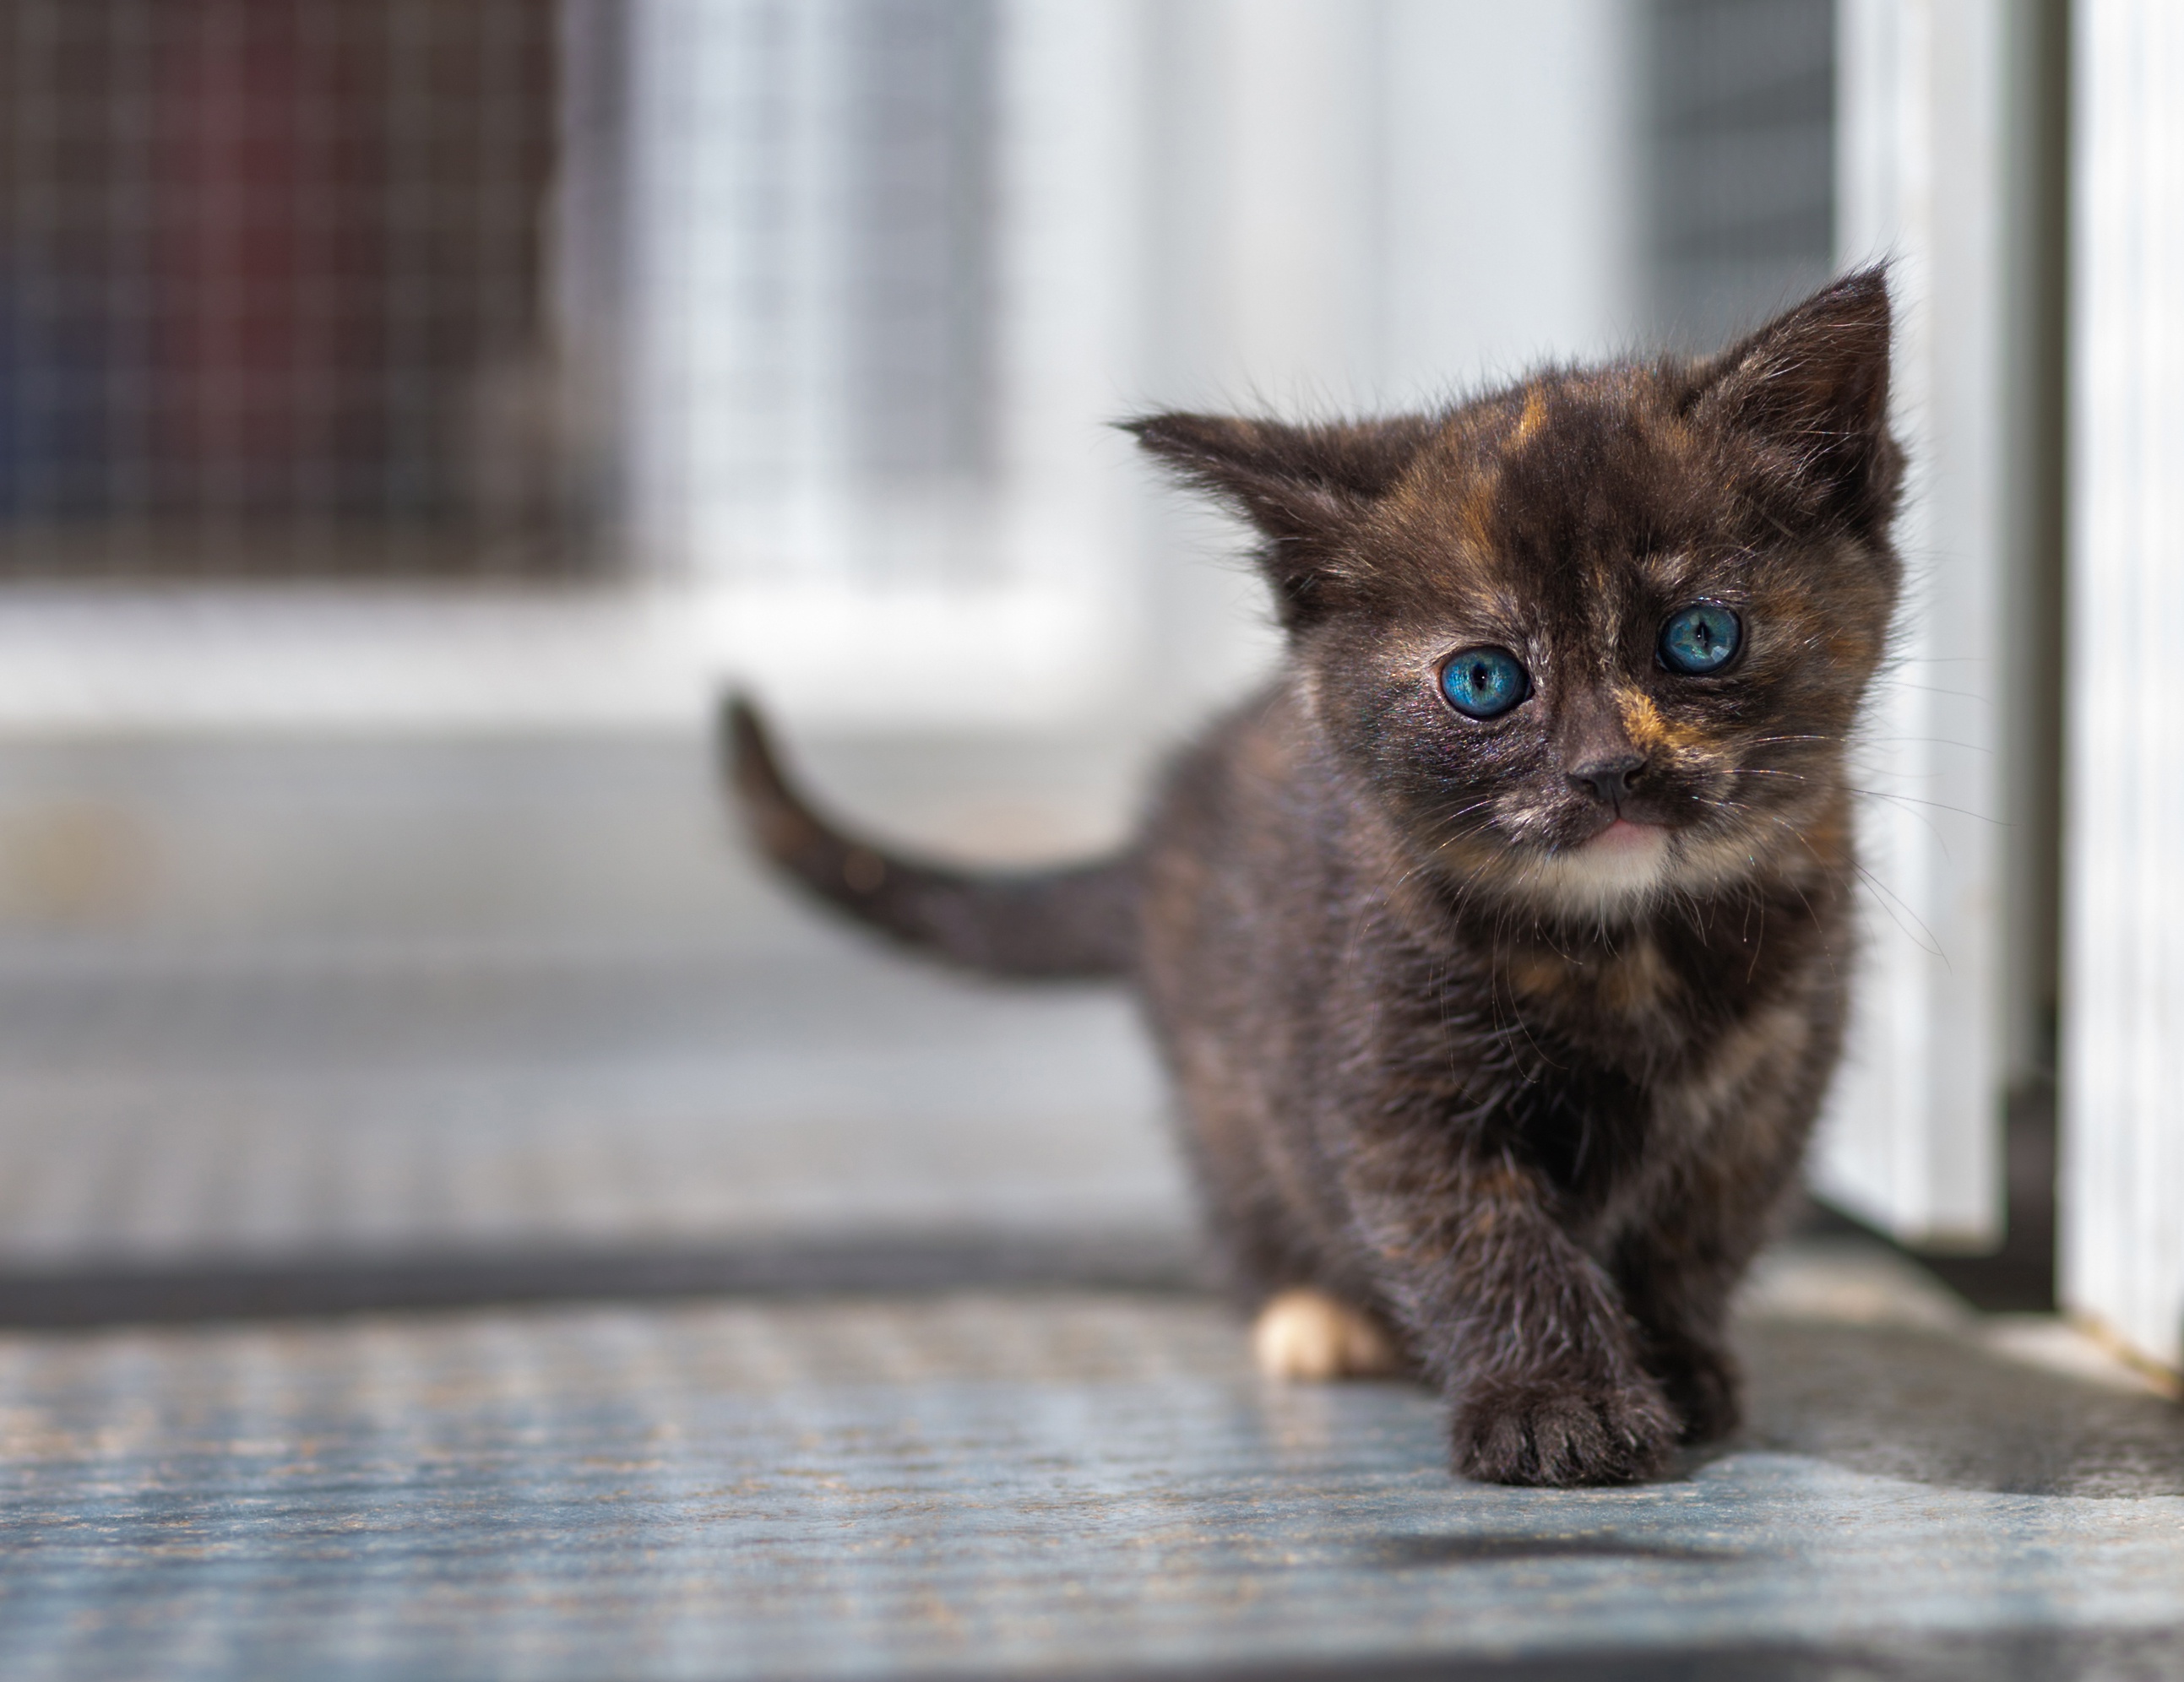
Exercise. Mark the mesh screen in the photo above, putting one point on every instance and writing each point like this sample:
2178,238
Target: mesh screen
271,287
820,282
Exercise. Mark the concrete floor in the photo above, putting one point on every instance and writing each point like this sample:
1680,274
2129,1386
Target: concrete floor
778,1331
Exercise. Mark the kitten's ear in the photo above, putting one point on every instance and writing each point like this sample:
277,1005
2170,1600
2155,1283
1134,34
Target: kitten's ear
1813,383
1303,487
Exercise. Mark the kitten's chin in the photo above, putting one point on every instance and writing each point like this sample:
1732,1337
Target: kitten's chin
1622,866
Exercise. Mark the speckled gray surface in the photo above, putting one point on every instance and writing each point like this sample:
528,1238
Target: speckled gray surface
181,1107
1004,1483
340,1009
354,999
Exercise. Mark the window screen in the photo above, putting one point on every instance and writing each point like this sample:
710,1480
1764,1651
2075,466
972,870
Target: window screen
272,277
815,290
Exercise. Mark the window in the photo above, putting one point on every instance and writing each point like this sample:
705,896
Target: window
271,286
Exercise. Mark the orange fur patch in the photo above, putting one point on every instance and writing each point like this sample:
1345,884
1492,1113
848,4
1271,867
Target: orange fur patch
1647,730
1535,415
1635,979
1477,514
1538,974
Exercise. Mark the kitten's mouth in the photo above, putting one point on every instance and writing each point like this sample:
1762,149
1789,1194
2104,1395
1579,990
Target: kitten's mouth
1626,838
1619,867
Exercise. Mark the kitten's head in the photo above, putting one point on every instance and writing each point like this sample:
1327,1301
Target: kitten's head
1601,636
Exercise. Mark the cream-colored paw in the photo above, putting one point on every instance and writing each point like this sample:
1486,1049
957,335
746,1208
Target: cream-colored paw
1305,1334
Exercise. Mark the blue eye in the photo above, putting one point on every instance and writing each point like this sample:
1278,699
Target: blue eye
1483,683
1702,638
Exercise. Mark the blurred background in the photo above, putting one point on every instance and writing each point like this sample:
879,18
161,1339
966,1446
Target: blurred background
413,415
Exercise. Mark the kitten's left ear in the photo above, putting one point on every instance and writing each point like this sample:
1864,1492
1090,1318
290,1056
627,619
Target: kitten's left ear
1813,383
1303,487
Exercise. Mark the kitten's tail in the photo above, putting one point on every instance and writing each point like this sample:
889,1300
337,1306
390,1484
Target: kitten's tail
1077,922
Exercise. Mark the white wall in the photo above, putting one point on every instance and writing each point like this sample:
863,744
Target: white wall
1514,187
2122,1211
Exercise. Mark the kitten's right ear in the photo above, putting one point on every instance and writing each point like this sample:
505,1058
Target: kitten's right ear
1813,383
1302,487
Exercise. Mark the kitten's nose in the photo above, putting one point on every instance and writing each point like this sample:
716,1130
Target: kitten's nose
1608,780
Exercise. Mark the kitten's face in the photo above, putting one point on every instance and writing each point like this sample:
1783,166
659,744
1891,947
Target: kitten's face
1602,663
1602,637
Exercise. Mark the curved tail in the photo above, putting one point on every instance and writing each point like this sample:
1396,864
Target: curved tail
1077,922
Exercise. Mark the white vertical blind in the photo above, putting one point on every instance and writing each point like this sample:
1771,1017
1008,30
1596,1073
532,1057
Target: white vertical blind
1912,1138
859,222
2122,1211
884,273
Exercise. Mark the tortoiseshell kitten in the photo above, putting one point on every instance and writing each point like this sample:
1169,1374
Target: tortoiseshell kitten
1498,947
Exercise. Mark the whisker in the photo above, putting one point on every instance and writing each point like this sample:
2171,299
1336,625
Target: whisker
1924,940
1937,806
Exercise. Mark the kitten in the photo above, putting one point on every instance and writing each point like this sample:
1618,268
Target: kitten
1498,948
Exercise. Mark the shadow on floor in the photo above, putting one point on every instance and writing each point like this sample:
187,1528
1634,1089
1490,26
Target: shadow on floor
1406,1553
1991,1656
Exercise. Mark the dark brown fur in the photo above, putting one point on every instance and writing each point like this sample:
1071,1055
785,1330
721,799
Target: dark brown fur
1528,1106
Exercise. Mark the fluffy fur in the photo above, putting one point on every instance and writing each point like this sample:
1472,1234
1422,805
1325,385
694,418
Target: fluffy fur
1480,1049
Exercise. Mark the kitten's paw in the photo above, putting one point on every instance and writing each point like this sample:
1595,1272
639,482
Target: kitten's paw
1562,1433
1308,1334
1704,1388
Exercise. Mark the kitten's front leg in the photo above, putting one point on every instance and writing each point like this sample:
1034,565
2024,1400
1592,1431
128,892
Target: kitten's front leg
1681,1311
1679,1270
1522,1330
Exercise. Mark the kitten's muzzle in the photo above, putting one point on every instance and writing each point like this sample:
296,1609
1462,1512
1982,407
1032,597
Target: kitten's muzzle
1608,779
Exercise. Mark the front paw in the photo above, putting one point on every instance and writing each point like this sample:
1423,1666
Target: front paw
1541,1431
1703,1386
